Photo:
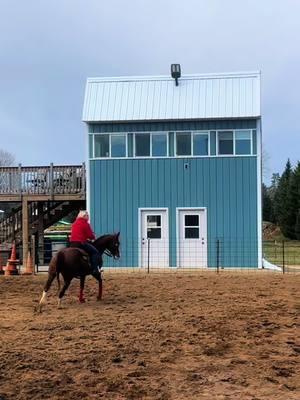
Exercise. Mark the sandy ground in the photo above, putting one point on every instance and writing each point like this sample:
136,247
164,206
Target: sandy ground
162,336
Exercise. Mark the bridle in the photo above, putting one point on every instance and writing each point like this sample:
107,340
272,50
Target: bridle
108,253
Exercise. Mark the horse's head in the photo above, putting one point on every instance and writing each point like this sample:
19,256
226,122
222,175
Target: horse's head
109,245
113,245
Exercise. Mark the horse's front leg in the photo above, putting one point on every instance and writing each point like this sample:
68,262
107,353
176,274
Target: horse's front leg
100,288
81,295
98,275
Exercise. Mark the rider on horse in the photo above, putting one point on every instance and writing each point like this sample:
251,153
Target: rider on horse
81,234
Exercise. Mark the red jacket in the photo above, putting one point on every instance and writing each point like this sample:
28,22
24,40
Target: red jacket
81,231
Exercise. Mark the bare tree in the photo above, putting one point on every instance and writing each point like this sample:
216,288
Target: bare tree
265,162
6,159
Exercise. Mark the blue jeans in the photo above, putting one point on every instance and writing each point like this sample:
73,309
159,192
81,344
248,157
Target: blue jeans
92,252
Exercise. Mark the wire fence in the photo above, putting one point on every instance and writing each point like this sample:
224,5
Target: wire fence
152,255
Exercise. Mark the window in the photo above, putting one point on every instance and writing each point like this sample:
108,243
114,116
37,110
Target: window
200,144
159,145
142,144
118,146
183,144
101,146
153,227
242,142
151,145
225,142
191,229
109,145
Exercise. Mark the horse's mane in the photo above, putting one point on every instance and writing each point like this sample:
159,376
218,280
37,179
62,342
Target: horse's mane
103,237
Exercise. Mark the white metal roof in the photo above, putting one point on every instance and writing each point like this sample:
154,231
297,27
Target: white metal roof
145,98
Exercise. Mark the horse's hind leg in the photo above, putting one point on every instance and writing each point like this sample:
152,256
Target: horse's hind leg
67,282
51,277
81,295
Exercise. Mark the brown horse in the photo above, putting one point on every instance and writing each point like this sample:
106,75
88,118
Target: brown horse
73,262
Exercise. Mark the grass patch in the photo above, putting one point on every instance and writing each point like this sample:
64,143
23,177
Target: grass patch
275,252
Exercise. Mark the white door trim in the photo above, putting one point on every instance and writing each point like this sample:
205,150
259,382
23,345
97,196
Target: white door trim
178,209
140,210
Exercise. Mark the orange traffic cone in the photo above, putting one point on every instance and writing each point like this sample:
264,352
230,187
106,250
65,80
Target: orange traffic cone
11,266
29,265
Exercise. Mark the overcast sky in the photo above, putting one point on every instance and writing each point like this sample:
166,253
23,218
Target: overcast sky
48,49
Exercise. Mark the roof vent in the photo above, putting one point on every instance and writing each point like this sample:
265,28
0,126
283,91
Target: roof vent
175,72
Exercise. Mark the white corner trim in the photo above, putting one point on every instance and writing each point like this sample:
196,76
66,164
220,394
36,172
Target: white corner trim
259,194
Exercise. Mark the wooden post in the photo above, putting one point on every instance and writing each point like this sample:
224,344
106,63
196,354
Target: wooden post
25,231
33,252
40,233
51,181
19,189
13,225
83,179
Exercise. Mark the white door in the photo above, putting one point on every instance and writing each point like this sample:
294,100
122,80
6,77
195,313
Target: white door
154,238
192,236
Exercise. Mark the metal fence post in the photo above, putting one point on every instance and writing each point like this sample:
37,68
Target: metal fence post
283,260
148,269
218,255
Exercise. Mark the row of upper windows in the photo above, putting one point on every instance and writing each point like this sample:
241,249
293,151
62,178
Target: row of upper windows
167,144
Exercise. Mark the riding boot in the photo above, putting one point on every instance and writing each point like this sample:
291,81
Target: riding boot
95,263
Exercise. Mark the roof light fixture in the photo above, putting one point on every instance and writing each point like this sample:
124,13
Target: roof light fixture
175,72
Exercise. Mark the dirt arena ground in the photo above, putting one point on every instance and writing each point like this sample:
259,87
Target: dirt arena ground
162,336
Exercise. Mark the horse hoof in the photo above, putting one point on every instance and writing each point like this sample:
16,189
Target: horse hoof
37,309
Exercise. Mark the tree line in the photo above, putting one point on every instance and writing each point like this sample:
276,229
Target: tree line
281,201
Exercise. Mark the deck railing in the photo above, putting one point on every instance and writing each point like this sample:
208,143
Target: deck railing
43,180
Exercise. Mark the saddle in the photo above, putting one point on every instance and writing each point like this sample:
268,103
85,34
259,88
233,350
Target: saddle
85,256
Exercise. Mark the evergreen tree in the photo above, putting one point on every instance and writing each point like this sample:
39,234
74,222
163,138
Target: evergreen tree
282,204
272,191
294,200
267,204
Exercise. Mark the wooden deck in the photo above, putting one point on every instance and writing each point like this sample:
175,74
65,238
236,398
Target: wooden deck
44,182
36,186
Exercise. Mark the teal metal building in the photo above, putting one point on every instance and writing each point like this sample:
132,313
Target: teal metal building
176,168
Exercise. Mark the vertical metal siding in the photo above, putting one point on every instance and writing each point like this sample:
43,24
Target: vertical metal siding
226,186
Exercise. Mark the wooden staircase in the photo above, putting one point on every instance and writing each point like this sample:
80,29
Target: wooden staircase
40,215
